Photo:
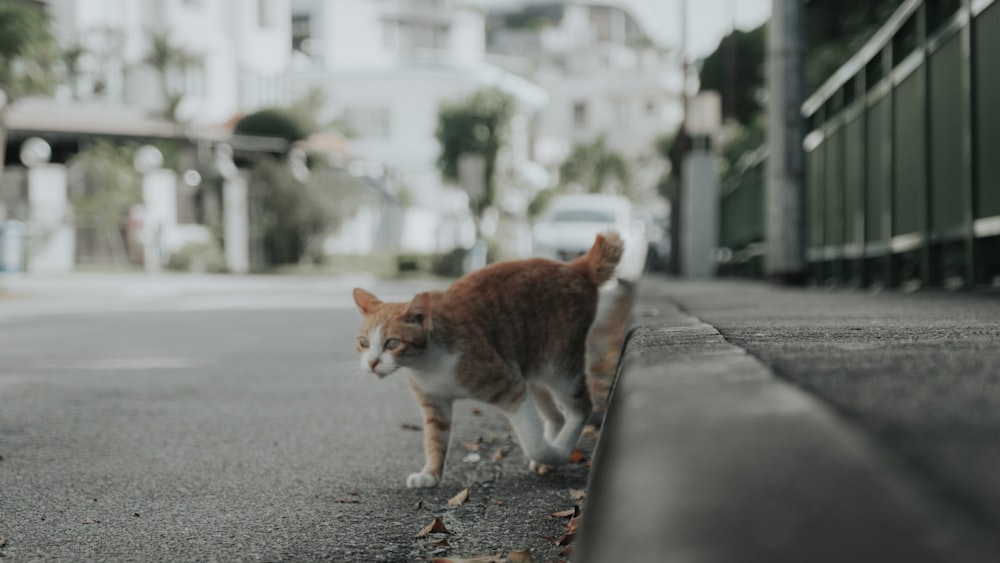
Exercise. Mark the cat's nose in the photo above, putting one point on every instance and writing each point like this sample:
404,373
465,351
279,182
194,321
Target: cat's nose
373,363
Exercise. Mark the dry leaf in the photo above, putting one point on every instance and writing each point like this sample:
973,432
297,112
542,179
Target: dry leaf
567,539
460,498
577,457
498,503
497,455
348,500
473,444
476,411
577,495
410,426
435,527
483,559
568,513
542,469
566,551
523,556
474,457
91,521
573,525
439,543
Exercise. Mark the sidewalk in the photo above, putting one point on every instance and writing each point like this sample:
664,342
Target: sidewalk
756,423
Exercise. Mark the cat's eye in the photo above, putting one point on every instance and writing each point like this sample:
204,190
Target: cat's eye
363,342
392,343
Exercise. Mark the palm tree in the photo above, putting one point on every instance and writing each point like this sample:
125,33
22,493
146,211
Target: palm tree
28,54
163,57
596,168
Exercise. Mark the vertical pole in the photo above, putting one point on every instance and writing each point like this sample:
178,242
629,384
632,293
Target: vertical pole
681,144
785,194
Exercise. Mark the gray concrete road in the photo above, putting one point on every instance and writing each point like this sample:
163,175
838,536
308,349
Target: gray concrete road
227,421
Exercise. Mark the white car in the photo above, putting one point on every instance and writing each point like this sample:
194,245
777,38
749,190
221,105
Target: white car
569,224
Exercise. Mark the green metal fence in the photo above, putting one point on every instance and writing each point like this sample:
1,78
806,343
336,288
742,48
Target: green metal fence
903,165
902,159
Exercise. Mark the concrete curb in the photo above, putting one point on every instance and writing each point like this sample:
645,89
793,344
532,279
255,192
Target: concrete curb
706,456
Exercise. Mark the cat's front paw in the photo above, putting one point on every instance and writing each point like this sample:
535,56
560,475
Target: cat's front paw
421,481
538,468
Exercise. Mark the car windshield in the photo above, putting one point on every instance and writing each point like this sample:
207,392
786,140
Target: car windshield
583,216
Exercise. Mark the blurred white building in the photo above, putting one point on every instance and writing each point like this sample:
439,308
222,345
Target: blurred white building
229,42
387,67
604,75
384,66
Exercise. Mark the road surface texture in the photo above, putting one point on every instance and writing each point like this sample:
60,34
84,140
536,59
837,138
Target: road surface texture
226,419
754,423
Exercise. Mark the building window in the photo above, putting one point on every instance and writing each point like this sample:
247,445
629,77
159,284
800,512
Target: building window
265,18
580,114
369,122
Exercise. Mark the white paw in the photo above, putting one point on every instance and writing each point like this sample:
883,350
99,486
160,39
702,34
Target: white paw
538,468
421,481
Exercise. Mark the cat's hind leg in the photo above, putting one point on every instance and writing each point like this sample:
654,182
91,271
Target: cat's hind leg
552,419
529,427
437,432
573,399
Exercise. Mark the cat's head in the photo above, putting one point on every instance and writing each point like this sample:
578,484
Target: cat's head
392,335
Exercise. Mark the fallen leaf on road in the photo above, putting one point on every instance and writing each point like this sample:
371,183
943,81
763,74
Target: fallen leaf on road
577,495
473,444
498,503
542,469
497,455
573,524
472,458
566,551
577,457
568,538
439,543
460,498
435,527
348,500
483,559
410,426
91,521
568,513
523,556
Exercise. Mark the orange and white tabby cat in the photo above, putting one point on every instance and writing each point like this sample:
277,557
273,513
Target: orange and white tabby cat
512,334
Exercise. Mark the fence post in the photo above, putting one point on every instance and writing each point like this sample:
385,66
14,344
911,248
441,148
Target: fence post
785,201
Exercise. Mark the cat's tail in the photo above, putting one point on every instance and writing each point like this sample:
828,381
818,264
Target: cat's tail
600,261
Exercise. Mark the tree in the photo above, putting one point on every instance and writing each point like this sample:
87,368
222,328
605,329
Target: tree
273,122
28,55
477,125
164,57
736,70
110,187
596,168
836,29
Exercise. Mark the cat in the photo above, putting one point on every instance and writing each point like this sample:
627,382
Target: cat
512,334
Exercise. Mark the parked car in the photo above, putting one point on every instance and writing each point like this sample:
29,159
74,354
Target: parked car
569,224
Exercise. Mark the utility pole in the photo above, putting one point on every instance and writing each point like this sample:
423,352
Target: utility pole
785,165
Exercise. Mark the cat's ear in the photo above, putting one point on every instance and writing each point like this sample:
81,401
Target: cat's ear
419,311
365,301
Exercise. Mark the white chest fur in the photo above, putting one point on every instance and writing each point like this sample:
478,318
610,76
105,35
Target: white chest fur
435,374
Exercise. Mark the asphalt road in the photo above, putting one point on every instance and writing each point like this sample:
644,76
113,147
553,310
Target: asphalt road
229,422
